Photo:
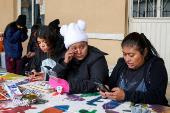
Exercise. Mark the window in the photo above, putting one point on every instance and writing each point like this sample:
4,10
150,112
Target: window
165,8
34,10
151,8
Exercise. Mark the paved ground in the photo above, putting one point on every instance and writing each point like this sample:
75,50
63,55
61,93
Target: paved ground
2,69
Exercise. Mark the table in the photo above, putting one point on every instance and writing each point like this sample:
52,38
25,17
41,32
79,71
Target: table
77,103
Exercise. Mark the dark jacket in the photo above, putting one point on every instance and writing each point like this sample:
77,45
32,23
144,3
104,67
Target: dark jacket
155,78
12,42
43,62
32,47
82,74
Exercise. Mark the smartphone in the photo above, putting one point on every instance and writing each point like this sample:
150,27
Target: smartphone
102,87
52,74
29,72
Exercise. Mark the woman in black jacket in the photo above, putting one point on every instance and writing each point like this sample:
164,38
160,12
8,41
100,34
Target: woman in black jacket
83,64
50,49
25,61
140,76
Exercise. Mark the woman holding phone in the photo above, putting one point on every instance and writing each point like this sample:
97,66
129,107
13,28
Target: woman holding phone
50,49
140,76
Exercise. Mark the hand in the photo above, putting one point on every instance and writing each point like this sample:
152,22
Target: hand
59,82
103,93
68,56
30,75
37,76
30,54
24,29
117,95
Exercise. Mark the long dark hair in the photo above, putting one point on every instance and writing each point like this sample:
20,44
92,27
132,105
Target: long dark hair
47,33
141,42
10,25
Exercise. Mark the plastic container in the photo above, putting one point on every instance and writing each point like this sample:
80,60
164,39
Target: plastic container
3,60
30,97
1,42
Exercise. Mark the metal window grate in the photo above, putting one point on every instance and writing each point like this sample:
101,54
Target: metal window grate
151,8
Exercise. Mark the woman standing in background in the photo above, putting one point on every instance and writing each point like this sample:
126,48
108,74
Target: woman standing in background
14,34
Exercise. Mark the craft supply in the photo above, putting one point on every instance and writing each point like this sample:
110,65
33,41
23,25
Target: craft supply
15,89
21,88
10,93
146,110
3,79
3,96
17,102
19,97
22,82
30,97
138,109
59,90
29,91
42,86
41,101
1,88
3,93
11,76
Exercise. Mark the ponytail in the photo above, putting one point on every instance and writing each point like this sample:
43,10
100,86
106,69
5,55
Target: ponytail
151,49
141,42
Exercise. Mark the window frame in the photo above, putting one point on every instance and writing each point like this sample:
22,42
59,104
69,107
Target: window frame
158,6
33,19
19,10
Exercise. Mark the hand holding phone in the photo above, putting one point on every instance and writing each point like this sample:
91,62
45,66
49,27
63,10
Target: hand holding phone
29,72
102,87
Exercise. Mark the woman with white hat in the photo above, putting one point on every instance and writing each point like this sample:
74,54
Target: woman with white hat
83,64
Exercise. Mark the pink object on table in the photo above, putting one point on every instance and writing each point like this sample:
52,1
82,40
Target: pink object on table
59,82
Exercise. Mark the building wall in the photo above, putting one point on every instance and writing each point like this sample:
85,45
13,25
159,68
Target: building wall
101,16
7,12
108,17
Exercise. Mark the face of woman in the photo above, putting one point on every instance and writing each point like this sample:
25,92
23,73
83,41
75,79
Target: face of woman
133,58
80,50
42,44
20,26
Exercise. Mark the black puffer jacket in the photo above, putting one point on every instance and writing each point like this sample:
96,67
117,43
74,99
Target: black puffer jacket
82,74
13,38
32,47
155,77
42,62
